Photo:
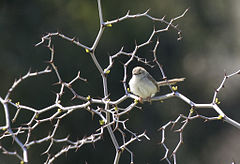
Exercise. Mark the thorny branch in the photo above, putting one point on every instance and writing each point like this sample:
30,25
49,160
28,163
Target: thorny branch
213,105
108,111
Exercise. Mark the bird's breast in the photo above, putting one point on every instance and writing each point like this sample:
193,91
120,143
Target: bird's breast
142,87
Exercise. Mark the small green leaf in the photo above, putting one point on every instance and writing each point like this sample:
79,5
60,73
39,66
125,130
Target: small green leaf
107,71
217,101
109,25
89,97
191,110
220,117
101,122
136,101
174,88
87,50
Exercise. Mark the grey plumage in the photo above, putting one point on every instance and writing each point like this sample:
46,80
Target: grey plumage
144,85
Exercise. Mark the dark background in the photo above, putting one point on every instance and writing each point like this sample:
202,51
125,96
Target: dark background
210,47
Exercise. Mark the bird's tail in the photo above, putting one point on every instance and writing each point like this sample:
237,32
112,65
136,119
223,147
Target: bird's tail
170,82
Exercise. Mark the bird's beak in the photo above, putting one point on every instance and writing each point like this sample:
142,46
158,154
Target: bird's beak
136,73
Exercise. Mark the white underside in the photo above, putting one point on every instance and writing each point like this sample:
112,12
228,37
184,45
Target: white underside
142,87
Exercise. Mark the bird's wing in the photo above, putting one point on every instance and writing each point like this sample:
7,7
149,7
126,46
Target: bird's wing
153,80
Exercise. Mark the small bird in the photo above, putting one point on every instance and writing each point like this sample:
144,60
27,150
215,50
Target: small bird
144,85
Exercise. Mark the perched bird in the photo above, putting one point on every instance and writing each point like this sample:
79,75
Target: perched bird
144,85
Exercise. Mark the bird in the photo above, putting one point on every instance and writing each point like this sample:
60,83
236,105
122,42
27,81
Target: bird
145,86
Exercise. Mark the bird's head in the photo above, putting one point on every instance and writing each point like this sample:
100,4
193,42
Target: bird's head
139,71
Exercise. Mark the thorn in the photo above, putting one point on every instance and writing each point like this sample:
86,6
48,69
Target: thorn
180,38
178,131
74,97
73,39
93,145
47,68
147,11
225,74
57,83
78,74
160,129
186,11
164,78
69,85
136,43
29,71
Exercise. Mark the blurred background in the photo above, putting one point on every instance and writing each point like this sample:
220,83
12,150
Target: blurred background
209,48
